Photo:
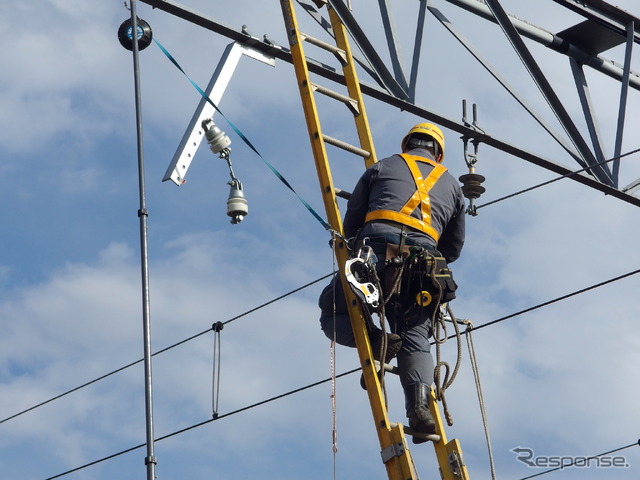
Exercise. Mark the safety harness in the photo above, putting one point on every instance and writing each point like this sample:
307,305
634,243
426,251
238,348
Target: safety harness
420,199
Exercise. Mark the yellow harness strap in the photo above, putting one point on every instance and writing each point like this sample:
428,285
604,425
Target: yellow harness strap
419,199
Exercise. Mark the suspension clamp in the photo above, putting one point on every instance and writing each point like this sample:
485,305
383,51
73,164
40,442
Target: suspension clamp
471,182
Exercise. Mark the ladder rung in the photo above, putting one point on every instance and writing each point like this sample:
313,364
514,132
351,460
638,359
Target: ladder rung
346,146
387,368
432,438
338,52
342,193
348,101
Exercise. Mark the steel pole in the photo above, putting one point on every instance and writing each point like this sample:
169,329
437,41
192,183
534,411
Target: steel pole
150,460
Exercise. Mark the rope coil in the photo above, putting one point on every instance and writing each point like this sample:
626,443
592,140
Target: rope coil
441,385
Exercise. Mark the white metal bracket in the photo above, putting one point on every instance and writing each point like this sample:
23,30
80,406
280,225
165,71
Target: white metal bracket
194,134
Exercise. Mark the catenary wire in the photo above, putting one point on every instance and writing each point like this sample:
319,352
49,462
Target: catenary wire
620,277
192,427
91,382
555,300
556,179
558,299
571,464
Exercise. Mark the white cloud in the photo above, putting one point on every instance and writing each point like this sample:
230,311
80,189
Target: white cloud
555,379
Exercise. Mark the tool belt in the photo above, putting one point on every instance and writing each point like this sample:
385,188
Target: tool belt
417,277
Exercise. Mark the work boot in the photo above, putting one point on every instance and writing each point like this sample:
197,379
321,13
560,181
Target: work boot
417,396
394,343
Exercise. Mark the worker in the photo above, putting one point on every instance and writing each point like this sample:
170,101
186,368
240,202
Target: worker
408,200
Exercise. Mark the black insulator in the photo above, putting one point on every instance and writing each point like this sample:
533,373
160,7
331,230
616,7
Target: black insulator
471,185
472,191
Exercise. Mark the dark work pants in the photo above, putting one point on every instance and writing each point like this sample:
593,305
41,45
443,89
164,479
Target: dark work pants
415,363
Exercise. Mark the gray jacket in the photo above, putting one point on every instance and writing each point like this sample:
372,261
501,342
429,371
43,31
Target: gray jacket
388,184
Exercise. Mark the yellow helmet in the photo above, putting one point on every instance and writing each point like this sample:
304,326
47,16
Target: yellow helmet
428,129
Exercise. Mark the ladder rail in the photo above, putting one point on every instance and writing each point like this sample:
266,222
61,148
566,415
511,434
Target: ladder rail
396,455
353,87
448,453
394,449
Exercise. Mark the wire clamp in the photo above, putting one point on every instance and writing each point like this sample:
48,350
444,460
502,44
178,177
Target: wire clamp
217,327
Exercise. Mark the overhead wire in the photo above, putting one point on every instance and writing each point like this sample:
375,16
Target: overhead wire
493,322
556,179
205,422
181,342
557,299
498,320
620,277
549,302
332,378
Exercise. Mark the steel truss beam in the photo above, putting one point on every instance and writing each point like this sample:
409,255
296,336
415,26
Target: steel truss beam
555,42
608,15
502,81
602,171
605,27
327,72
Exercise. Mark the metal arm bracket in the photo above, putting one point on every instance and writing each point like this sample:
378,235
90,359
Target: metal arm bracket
194,134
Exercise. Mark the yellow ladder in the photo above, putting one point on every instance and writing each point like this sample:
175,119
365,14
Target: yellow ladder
394,449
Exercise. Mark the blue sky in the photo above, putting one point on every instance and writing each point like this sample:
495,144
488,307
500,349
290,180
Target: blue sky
559,380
